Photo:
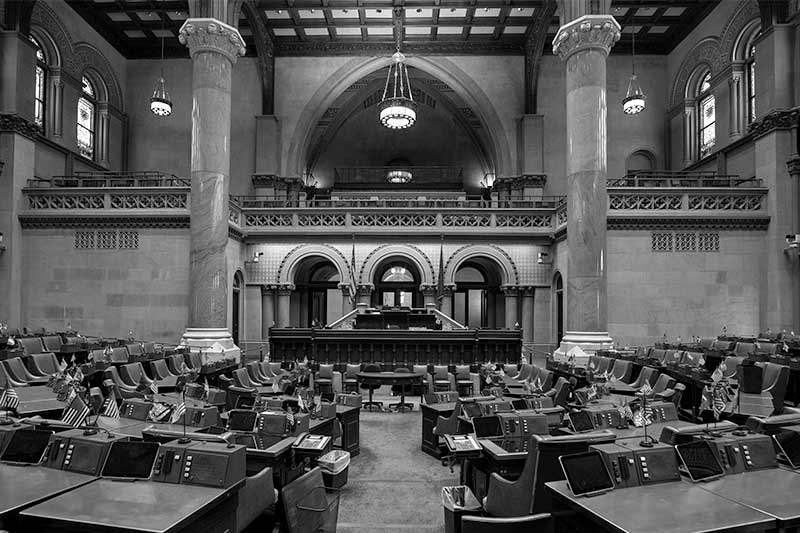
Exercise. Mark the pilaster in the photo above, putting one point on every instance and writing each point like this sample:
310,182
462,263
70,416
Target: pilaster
511,293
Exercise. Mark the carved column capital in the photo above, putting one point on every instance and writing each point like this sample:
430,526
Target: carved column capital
510,290
777,119
284,289
793,165
345,288
268,289
588,31
364,289
428,290
211,35
527,291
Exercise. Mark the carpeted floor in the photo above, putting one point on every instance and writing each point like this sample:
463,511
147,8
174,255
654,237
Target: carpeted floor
392,485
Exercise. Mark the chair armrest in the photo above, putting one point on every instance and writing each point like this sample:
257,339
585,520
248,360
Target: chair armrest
337,382
476,383
6,377
666,393
505,498
452,379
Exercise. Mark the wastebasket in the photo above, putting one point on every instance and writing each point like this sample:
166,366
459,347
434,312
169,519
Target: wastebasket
458,501
334,466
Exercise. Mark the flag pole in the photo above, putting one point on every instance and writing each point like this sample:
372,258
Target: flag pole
184,439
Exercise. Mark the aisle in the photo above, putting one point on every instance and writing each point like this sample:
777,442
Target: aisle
392,486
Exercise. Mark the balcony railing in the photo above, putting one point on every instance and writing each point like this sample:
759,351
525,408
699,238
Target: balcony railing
397,201
110,179
663,178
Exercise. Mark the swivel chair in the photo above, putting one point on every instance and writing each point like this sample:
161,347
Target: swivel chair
323,379
43,364
464,381
622,370
774,381
647,375
442,379
541,523
426,386
350,379
371,388
663,383
309,492
256,497
242,379
402,390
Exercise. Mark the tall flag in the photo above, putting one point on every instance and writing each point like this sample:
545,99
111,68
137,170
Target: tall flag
9,399
75,412
179,411
440,283
719,400
352,267
206,390
707,398
110,407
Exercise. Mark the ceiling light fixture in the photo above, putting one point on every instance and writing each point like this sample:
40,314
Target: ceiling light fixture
397,108
160,104
399,176
633,102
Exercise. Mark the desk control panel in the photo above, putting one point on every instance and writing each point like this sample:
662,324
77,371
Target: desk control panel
663,411
523,425
633,465
729,454
541,402
210,464
135,408
278,424
493,408
197,416
605,416
74,451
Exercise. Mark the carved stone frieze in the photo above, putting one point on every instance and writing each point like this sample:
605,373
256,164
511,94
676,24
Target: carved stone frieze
793,165
285,289
268,289
588,31
755,223
510,290
17,124
778,119
210,35
122,221
364,289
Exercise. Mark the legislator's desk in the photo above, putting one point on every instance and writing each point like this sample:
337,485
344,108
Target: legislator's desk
679,506
124,506
401,379
773,491
24,486
430,415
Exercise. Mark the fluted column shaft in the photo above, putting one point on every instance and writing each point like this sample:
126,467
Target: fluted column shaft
510,300
527,314
267,309
214,48
284,305
584,44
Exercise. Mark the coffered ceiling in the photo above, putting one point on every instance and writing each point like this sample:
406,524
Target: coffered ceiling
329,27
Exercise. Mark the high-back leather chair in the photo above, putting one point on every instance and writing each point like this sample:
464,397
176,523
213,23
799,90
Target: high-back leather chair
647,375
17,372
350,379
560,392
31,345
603,364
541,523
52,343
673,357
659,355
254,371
256,497
743,349
622,370
526,495
774,381
307,491
323,379
119,355
426,386
123,389
159,370
524,372
135,350
732,363
133,374
663,383
510,370
706,344
463,379
442,379
691,358
43,364
175,362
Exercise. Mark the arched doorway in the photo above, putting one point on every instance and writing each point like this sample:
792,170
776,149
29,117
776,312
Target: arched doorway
558,287
396,284
475,297
317,297
236,303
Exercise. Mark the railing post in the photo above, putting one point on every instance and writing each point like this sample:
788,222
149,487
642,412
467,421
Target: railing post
685,201
106,200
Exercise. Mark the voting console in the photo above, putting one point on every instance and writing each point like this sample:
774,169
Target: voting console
633,465
208,464
75,451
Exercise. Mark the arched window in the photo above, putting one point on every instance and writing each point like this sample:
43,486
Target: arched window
40,85
707,117
87,107
397,285
750,66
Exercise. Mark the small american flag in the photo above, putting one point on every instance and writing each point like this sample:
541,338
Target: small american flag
76,412
110,407
646,389
179,411
9,399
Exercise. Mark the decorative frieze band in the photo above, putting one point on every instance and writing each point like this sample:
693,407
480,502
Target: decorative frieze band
124,221
778,119
684,223
10,122
588,31
211,35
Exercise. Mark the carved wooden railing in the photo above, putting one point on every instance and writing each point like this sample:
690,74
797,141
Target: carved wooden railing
694,178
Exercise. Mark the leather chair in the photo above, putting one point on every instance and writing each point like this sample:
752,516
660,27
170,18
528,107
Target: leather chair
541,523
306,491
447,426
323,379
691,358
195,361
175,362
371,388
124,390
463,379
350,381
254,371
560,392
657,354
7,380
31,345
526,495
16,372
663,383
524,372
52,343
743,349
546,377
161,374
256,497
646,374
510,370
673,395
722,346
603,365
43,364
242,379
706,344
622,370
767,347
774,381
673,357
234,392
442,379
732,363
276,370
135,351
149,348
133,374
119,355
99,356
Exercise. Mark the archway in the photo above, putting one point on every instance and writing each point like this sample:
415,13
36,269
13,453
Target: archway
317,299
396,284
475,298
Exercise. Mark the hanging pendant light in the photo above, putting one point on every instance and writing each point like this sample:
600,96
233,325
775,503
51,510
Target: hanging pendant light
397,108
160,104
633,102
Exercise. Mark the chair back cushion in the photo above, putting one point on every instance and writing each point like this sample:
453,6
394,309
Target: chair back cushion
462,371
52,343
241,378
325,371
440,372
31,345
352,370
46,362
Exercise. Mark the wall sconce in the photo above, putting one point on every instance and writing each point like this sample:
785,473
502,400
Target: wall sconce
2,243
792,242
256,255
543,258
488,180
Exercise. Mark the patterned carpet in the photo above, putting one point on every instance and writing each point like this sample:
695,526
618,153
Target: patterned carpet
392,485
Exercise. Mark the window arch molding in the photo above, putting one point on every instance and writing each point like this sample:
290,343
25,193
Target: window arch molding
742,80
51,120
99,101
699,93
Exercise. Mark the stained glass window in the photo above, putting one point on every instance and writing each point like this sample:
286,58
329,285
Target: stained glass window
86,115
708,117
751,84
40,85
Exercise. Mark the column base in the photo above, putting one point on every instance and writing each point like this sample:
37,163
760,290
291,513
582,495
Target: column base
588,341
215,346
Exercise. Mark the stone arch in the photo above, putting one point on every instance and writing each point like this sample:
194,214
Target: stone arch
87,58
645,153
45,22
703,54
51,50
407,251
738,32
356,69
289,264
510,275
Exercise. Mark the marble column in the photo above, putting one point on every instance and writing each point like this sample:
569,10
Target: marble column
793,166
446,305
102,132
737,96
689,128
510,296
583,44
284,305
214,47
527,315
267,309
55,102
347,303
491,308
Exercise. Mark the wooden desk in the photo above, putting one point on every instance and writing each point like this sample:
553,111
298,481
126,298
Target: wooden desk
773,491
24,486
430,414
678,507
107,505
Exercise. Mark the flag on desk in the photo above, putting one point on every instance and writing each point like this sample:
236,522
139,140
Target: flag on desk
646,389
76,411
63,365
706,399
179,411
9,399
206,390
625,412
110,407
719,400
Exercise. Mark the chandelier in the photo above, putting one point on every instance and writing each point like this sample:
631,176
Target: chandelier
397,108
399,176
160,104
633,102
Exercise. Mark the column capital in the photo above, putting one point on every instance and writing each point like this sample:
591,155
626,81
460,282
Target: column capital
588,31
428,290
285,289
364,289
527,291
211,35
510,290
793,165
268,289
345,288
777,119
